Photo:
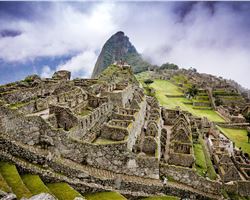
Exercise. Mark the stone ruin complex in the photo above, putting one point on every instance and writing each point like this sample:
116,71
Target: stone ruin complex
106,134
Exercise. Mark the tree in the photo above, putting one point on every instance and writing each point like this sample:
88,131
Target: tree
169,66
218,102
148,81
193,91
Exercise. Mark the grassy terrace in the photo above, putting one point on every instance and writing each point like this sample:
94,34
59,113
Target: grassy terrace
105,196
164,87
200,160
34,184
3,185
13,179
63,191
239,136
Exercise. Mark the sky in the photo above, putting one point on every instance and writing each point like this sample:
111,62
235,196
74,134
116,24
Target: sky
42,37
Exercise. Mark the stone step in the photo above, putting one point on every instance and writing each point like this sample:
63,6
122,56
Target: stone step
62,191
35,184
13,179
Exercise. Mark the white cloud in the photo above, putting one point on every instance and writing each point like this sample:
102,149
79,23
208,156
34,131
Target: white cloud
66,29
215,42
80,65
46,72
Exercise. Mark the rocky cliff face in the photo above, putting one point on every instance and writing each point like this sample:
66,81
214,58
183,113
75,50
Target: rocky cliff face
118,47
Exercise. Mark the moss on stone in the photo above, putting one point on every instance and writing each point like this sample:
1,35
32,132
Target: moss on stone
63,191
35,184
105,196
13,179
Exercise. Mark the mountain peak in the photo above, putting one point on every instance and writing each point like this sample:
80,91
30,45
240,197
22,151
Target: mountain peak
120,33
118,47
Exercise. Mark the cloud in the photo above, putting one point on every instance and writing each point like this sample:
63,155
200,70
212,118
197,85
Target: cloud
66,29
46,72
214,38
80,65
210,36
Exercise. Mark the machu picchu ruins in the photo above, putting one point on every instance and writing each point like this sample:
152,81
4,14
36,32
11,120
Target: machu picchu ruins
107,134
124,100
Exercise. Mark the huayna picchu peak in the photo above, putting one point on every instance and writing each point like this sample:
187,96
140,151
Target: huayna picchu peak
119,48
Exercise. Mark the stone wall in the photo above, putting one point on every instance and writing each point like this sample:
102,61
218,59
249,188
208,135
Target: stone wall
137,125
190,178
122,97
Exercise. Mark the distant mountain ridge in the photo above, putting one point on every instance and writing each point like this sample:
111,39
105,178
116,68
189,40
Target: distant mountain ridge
118,47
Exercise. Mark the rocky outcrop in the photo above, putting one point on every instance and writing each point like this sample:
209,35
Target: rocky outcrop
118,47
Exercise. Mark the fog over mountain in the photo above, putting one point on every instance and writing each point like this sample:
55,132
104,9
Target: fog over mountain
213,37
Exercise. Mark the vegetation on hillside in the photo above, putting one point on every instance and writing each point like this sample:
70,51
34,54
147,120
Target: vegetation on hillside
169,66
170,96
238,136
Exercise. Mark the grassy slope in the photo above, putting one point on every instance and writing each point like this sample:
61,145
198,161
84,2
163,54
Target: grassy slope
35,184
3,185
105,196
210,168
200,161
13,179
164,87
63,191
239,136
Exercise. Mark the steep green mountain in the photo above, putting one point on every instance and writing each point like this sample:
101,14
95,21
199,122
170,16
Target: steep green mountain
118,47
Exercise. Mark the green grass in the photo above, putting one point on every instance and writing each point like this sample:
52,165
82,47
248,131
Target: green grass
142,76
13,179
164,87
3,185
239,136
35,184
162,198
105,196
63,191
200,160
210,168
